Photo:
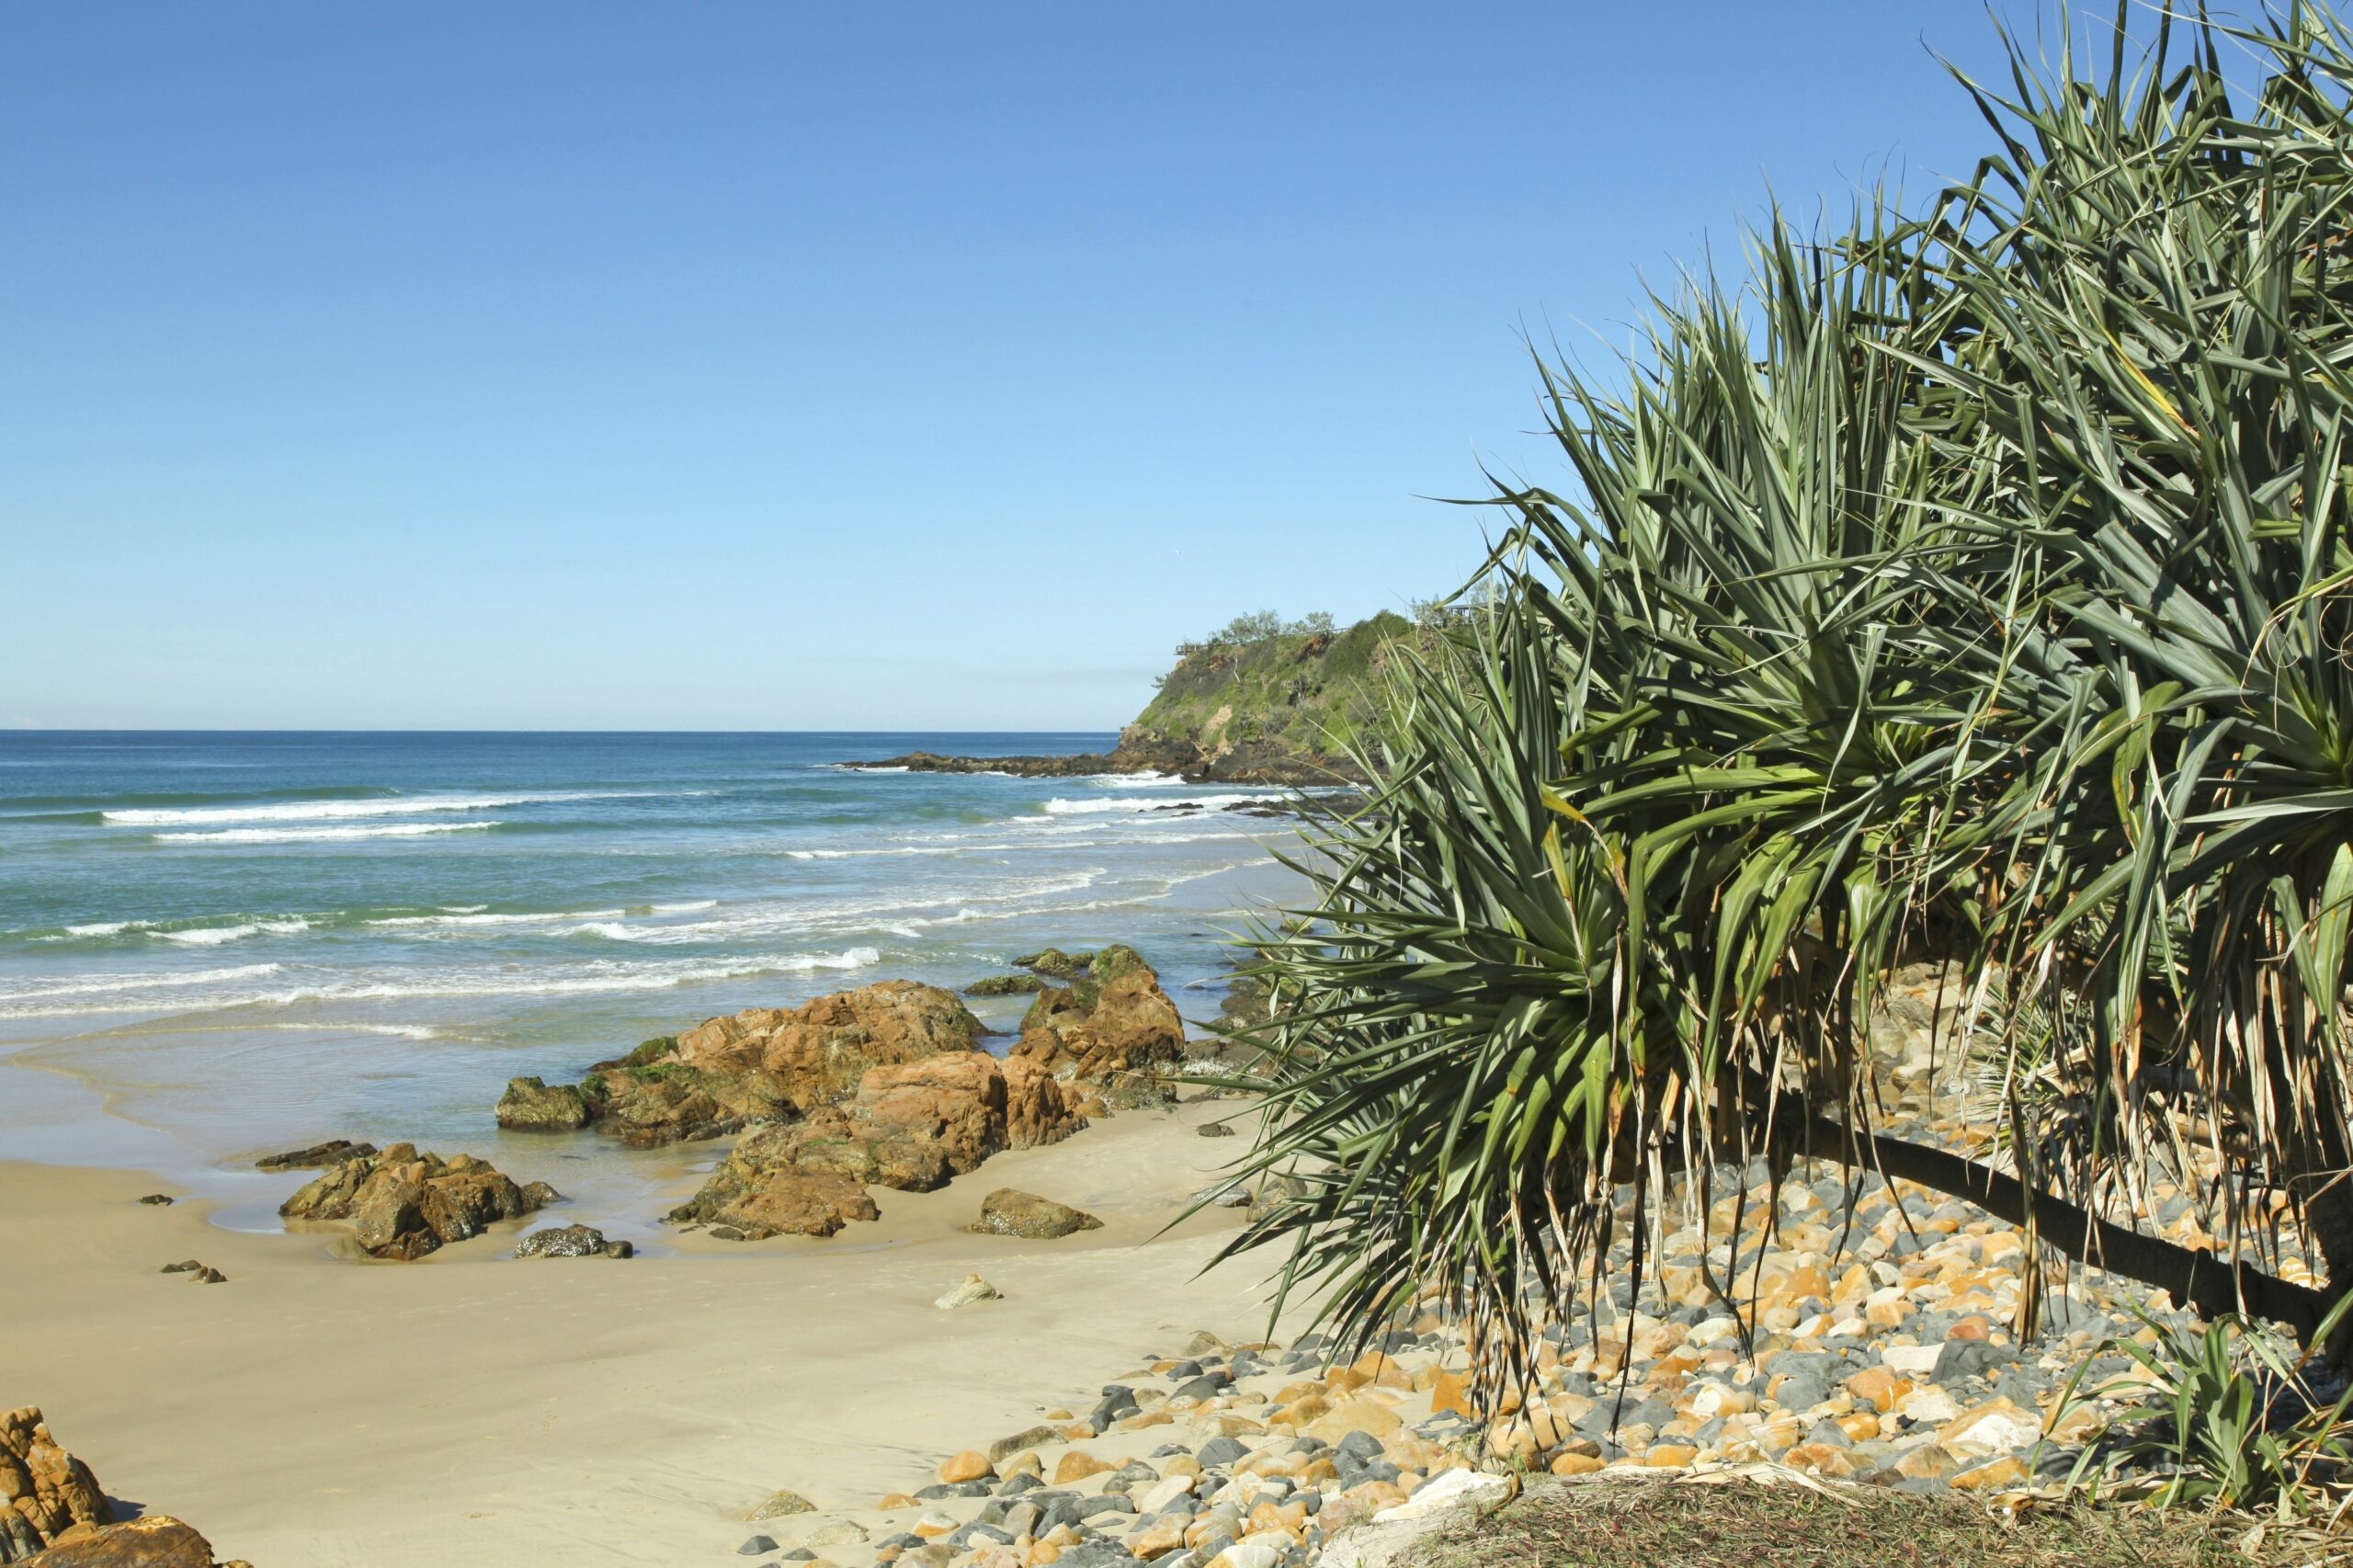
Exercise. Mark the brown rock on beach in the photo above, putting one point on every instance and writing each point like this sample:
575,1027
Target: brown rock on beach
403,1204
766,1063
1116,1020
1009,1212
912,1127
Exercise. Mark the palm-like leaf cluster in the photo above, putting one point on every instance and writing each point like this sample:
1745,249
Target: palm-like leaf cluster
1972,584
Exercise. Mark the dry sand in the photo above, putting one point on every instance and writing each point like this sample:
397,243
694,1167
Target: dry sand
470,1409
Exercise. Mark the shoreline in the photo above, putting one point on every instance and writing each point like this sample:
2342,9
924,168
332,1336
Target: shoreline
473,1408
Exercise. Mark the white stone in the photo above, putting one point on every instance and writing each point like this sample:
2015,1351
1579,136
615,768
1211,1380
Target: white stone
1245,1555
1446,1491
1989,1432
1928,1405
974,1288
1164,1493
1709,1330
1912,1361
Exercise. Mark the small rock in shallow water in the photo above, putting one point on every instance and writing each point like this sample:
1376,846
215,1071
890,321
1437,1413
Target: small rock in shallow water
189,1266
157,1199
974,1288
210,1276
334,1151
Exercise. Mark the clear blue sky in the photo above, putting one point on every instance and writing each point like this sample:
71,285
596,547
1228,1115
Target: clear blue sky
841,365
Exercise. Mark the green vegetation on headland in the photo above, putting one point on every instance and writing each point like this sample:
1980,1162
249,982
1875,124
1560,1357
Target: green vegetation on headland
1263,701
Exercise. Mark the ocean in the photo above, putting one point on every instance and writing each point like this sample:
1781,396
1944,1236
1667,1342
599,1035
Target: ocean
216,945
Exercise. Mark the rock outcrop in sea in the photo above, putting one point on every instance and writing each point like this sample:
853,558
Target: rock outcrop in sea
1275,709
763,1064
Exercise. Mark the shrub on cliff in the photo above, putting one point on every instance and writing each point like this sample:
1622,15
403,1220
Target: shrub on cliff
1974,584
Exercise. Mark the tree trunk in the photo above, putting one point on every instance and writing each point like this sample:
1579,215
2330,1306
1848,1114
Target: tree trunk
2199,1281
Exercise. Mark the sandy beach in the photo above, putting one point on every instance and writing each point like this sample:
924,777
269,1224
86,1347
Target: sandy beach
470,1409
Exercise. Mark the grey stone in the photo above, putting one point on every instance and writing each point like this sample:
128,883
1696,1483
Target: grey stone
759,1545
1219,1452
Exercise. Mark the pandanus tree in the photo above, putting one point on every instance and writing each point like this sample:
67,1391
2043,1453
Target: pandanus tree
1970,583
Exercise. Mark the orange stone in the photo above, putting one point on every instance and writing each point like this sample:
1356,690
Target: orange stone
1820,1458
1451,1392
1576,1464
1991,1476
1661,1455
1077,1465
1880,1387
969,1465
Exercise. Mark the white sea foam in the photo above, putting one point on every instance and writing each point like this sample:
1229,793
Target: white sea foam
1134,781
695,906
106,928
213,935
1060,807
115,984
328,811
474,917
201,990
322,835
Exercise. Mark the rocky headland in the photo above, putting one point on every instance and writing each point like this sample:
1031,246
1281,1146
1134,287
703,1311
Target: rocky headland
1276,706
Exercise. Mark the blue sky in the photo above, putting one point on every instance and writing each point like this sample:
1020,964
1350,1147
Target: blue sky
800,366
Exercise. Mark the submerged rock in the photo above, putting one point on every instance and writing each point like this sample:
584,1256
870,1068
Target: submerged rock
1010,1212
402,1204
1056,962
531,1104
1004,986
334,1151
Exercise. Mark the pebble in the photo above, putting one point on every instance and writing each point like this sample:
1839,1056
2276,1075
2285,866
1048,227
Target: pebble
974,1288
1878,1351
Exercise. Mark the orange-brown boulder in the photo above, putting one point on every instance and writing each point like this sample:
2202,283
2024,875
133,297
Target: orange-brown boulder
44,1491
772,1063
911,1127
1117,1020
402,1204
157,1541
818,1053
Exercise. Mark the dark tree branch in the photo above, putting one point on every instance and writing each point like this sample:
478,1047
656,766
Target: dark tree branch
2199,1281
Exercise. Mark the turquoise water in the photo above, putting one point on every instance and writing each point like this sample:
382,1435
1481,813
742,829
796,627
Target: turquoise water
213,945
